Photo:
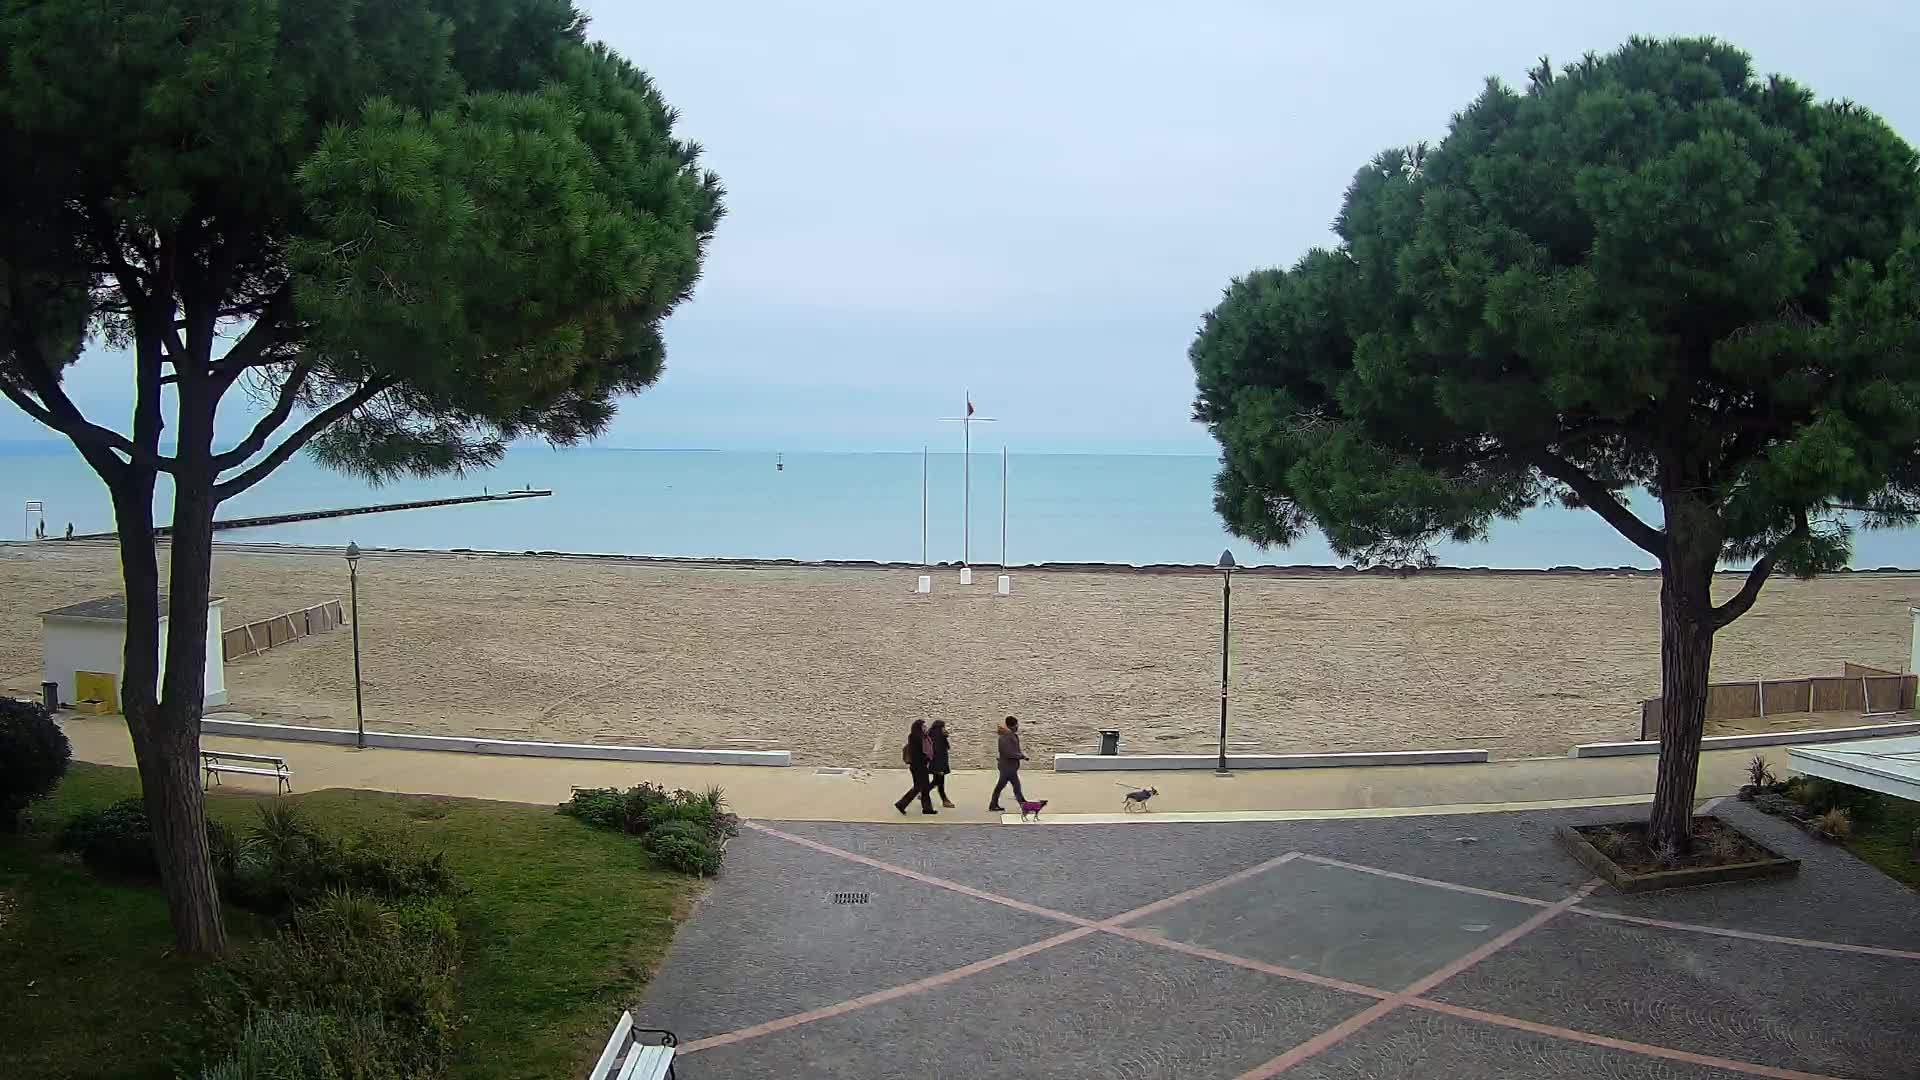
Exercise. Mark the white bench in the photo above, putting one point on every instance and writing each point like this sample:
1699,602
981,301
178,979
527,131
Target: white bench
215,762
641,1061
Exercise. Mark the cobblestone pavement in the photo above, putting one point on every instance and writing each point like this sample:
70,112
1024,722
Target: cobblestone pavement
1399,948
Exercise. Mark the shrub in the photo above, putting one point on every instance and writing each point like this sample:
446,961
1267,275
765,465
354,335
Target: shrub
306,1046
679,846
34,753
1759,773
1609,841
1835,824
284,863
682,829
115,839
378,976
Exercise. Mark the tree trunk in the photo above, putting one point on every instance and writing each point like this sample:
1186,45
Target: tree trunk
1686,656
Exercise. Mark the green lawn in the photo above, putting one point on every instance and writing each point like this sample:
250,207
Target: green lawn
1884,836
561,927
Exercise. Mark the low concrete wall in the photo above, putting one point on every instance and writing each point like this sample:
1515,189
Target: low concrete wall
1736,742
1138,762
665,755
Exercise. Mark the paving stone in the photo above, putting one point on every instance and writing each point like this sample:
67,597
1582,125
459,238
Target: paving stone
1770,1004
1413,1044
769,941
1098,1007
1332,921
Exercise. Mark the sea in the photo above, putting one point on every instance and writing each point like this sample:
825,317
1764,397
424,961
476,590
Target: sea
899,507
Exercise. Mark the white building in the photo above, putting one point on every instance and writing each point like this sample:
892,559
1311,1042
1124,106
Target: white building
91,637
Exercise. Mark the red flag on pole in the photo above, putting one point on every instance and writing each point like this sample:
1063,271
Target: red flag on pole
969,406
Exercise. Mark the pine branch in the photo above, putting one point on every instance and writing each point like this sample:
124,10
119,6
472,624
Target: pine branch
1742,601
268,424
320,422
1595,496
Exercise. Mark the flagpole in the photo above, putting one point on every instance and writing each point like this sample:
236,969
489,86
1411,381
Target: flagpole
923,506
1003,506
966,485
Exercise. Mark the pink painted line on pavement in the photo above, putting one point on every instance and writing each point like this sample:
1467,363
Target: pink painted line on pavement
1648,1049
1337,1034
1592,913
1150,938
925,879
1201,890
882,996
1433,882
1750,935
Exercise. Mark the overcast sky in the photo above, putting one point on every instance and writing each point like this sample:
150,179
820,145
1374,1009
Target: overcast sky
1037,201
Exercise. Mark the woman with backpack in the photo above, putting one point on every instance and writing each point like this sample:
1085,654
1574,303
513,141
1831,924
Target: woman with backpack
918,757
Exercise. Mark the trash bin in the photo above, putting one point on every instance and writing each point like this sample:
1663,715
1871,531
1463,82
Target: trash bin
1109,742
50,695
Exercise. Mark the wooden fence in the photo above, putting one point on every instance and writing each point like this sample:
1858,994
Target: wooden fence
257,637
1859,688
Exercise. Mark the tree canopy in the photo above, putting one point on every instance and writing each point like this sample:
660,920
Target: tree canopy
414,230
1651,270
433,225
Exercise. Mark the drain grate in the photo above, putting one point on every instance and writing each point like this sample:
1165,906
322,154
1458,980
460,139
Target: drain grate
851,897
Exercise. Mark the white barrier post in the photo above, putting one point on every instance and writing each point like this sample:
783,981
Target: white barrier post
1005,585
966,575
924,585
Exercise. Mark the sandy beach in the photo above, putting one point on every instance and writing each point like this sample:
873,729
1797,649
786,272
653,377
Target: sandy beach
832,663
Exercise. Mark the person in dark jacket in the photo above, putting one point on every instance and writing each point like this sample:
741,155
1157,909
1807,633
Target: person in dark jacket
918,755
937,765
1010,759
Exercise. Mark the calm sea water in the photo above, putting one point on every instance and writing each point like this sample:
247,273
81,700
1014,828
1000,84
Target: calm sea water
1064,507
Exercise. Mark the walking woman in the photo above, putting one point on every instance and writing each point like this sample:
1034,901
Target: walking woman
937,764
918,755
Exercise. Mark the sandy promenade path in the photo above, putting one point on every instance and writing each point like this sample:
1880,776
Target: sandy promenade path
832,663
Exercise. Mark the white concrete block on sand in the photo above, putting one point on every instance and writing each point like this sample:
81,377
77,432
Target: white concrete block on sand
505,747
1138,762
966,575
1767,738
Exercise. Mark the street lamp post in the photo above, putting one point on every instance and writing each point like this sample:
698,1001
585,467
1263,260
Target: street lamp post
359,712
1225,566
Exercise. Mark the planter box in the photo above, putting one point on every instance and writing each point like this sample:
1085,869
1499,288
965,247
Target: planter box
1774,866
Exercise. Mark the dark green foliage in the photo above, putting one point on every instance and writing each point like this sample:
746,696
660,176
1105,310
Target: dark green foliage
374,980
34,753
280,863
415,230
1650,269
684,846
684,830
284,862
115,840
307,1046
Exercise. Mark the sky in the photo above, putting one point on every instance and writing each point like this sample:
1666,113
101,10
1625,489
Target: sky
1036,202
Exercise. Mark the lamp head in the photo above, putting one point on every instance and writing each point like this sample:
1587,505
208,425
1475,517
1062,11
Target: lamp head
353,552
1226,563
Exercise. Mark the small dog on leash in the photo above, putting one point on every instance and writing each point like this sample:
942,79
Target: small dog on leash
1137,800
1030,810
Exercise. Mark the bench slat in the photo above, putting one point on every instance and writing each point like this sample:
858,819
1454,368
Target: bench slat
230,755
614,1045
247,769
647,1063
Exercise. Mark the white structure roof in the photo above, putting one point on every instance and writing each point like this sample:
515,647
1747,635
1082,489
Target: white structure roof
1888,766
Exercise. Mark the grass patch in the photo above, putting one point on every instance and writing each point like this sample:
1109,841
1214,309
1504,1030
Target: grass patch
1885,836
561,926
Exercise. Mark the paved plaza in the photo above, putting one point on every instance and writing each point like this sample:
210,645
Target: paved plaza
1464,946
